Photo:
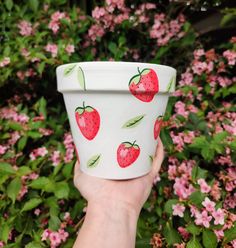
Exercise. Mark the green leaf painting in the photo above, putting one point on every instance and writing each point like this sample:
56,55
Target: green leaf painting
133,122
93,161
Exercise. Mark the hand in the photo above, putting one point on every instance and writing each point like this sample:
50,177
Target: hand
130,194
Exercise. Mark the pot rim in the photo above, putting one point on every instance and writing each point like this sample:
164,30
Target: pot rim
101,70
113,64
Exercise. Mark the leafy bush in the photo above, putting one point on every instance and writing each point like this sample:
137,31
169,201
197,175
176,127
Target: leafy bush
193,204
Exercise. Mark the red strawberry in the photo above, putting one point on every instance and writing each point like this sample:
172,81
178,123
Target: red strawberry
127,153
88,120
144,85
157,126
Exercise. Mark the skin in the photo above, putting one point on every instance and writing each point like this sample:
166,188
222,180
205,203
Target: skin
113,206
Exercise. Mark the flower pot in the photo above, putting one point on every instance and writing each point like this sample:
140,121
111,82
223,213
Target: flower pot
115,112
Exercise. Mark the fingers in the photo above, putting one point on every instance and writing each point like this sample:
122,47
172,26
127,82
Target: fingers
77,172
158,159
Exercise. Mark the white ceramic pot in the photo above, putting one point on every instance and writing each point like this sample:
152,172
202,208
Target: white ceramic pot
115,112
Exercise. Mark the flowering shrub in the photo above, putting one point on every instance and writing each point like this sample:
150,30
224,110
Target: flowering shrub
197,193
192,204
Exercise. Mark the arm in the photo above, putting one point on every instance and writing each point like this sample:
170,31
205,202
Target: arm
108,225
113,207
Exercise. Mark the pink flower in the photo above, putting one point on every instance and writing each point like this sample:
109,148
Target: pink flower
98,12
95,31
198,53
63,234
25,28
209,205
5,61
203,219
182,245
219,234
172,172
230,56
57,16
180,109
184,233
37,211
1,244
70,49
38,152
45,234
178,210
55,157
23,191
55,239
218,216
3,149
54,26
52,48
204,187
199,67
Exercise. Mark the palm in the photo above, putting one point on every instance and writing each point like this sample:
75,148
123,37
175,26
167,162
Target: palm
133,192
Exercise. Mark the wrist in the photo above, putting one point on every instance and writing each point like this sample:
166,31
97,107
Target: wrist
112,209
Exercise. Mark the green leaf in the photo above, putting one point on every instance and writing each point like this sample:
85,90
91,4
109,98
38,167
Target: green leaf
209,239
22,142
171,235
230,234
9,4
7,168
198,172
193,229
166,138
112,47
200,142
5,230
194,243
32,203
15,126
62,190
168,206
43,183
93,161
34,5
133,122
69,69
81,78
34,244
13,189
197,198
219,137
34,134
67,170
43,107
54,223
23,170
208,154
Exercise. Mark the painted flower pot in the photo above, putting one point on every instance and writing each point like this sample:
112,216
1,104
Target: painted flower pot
115,112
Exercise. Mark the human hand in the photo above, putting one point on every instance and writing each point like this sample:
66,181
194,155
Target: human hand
130,194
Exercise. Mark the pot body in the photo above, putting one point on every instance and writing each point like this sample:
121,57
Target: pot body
115,111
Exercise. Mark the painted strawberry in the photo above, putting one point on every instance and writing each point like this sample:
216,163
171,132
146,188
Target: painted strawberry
144,85
127,153
157,126
88,120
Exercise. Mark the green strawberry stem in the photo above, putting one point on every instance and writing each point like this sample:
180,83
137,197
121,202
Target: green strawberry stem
83,105
133,143
139,72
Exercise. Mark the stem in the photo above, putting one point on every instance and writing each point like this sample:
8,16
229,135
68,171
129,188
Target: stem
133,143
139,71
83,104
